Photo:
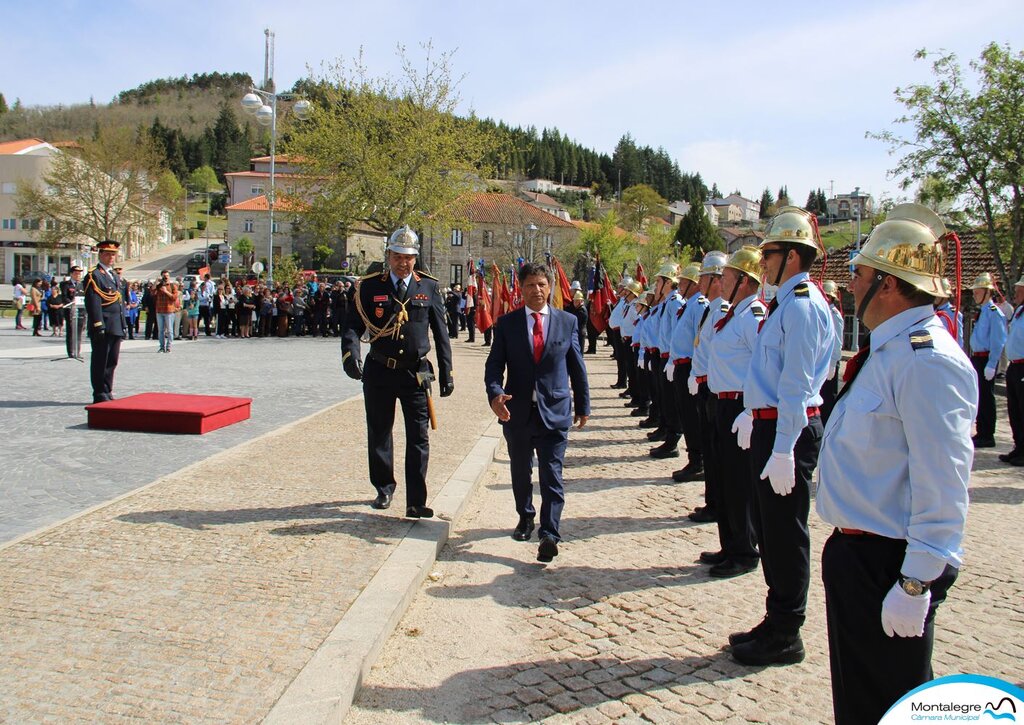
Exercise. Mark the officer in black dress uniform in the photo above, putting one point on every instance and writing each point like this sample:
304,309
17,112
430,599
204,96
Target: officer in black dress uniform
396,310
104,309
74,320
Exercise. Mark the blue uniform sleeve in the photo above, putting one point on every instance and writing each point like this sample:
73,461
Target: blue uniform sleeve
997,336
808,333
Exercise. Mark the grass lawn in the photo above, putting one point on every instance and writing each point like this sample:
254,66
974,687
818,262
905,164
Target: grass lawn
216,225
842,233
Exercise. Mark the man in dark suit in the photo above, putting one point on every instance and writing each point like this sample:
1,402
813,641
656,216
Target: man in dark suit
74,320
104,309
539,348
398,308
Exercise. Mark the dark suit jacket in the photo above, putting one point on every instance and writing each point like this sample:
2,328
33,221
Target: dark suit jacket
104,306
561,362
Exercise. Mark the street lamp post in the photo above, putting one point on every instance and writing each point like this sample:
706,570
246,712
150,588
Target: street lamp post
255,103
855,343
532,229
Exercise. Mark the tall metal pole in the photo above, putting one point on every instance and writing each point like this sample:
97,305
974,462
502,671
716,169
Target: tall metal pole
270,196
855,343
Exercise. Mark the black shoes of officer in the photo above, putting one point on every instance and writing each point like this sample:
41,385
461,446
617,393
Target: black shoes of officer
712,557
548,549
624,393
1014,457
618,386
648,422
667,449
641,412
730,568
524,529
760,630
382,501
419,512
692,471
703,515
983,442
771,648
658,434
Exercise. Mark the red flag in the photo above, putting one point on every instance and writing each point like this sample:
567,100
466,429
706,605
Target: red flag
600,297
484,320
640,276
515,294
499,293
561,295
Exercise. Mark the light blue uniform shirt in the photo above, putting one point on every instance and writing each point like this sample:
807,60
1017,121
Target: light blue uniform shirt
615,318
717,309
648,328
948,309
896,456
685,331
1015,338
669,318
837,344
989,333
731,347
791,359
629,319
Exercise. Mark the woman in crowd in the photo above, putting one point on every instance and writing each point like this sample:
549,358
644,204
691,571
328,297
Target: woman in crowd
245,306
266,313
192,309
131,309
19,303
284,311
35,305
299,309
55,309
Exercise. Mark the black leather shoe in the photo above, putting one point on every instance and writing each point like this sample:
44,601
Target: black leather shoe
729,568
419,512
1018,461
689,472
624,394
658,434
648,423
640,412
703,515
382,501
548,549
1008,457
760,630
665,450
980,442
774,648
712,557
524,529
617,386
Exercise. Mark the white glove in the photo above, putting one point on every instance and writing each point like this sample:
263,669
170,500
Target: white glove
780,472
641,359
832,372
902,614
742,427
691,385
670,371
990,373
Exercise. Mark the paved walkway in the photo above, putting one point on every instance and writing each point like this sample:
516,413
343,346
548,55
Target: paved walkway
625,626
200,597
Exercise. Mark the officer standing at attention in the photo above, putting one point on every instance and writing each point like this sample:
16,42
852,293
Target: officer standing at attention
1015,378
397,309
830,388
105,309
782,425
669,428
987,340
680,361
895,464
74,321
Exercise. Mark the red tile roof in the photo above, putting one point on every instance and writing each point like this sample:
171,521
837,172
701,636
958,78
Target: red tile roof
279,159
486,207
264,174
539,198
259,203
13,148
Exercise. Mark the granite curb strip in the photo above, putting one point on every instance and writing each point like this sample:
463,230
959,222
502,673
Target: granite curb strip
325,688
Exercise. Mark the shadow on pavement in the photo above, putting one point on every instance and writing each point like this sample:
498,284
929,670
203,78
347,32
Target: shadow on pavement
594,681
997,494
581,528
41,404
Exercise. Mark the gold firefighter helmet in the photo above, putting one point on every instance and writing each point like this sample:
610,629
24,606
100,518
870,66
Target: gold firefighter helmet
578,295
625,282
746,259
691,272
669,270
714,263
791,224
404,241
906,245
831,288
635,287
984,281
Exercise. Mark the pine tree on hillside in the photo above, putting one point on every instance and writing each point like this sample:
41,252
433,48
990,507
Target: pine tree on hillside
767,202
3,104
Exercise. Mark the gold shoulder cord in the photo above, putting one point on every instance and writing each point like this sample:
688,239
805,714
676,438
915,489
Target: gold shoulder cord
393,326
106,298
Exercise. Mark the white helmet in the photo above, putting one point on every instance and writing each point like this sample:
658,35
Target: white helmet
404,241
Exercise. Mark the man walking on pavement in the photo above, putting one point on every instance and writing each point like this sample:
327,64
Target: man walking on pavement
895,463
782,426
534,357
399,309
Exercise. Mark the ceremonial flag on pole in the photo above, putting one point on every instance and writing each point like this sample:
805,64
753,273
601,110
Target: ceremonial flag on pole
515,294
484,319
561,295
640,276
600,296
499,293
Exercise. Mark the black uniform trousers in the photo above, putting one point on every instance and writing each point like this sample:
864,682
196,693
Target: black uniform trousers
74,328
621,363
549,445
642,396
632,385
736,532
706,409
1015,403
471,323
870,670
829,391
781,524
106,349
655,375
666,394
986,419
686,406
150,323
381,388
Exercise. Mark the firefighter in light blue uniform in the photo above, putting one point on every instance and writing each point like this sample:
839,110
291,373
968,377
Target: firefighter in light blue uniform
669,428
830,388
680,362
782,424
894,468
1015,378
615,336
987,340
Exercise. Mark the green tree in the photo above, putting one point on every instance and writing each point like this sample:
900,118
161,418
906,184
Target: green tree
715,192
767,203
969,136
639,203
385,153
204,180
245,248
102,191
696,232
321,253
3,104
287,271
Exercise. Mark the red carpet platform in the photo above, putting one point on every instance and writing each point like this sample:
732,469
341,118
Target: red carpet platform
168,413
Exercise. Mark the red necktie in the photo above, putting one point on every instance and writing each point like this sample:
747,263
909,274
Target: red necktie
725,320
771,308
538,337
854,364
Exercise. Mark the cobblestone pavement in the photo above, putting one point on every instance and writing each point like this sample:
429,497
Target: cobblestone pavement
55,466
199,598
626,626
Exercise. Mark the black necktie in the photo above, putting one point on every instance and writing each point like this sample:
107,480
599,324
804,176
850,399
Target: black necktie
854,365
401,290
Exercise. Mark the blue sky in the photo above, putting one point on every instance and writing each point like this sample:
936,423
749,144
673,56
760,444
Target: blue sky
748,94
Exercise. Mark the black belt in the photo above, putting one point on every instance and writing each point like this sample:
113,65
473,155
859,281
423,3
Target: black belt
393,363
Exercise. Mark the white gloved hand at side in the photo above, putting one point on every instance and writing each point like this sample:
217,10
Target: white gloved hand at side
902,614
670,371
742,427
780,472
691,385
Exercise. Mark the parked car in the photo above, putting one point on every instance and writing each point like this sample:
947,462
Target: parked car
196,262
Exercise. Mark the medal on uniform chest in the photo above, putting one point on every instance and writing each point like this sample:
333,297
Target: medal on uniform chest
378,312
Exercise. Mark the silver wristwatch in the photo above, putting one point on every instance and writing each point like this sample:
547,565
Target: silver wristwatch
913,587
